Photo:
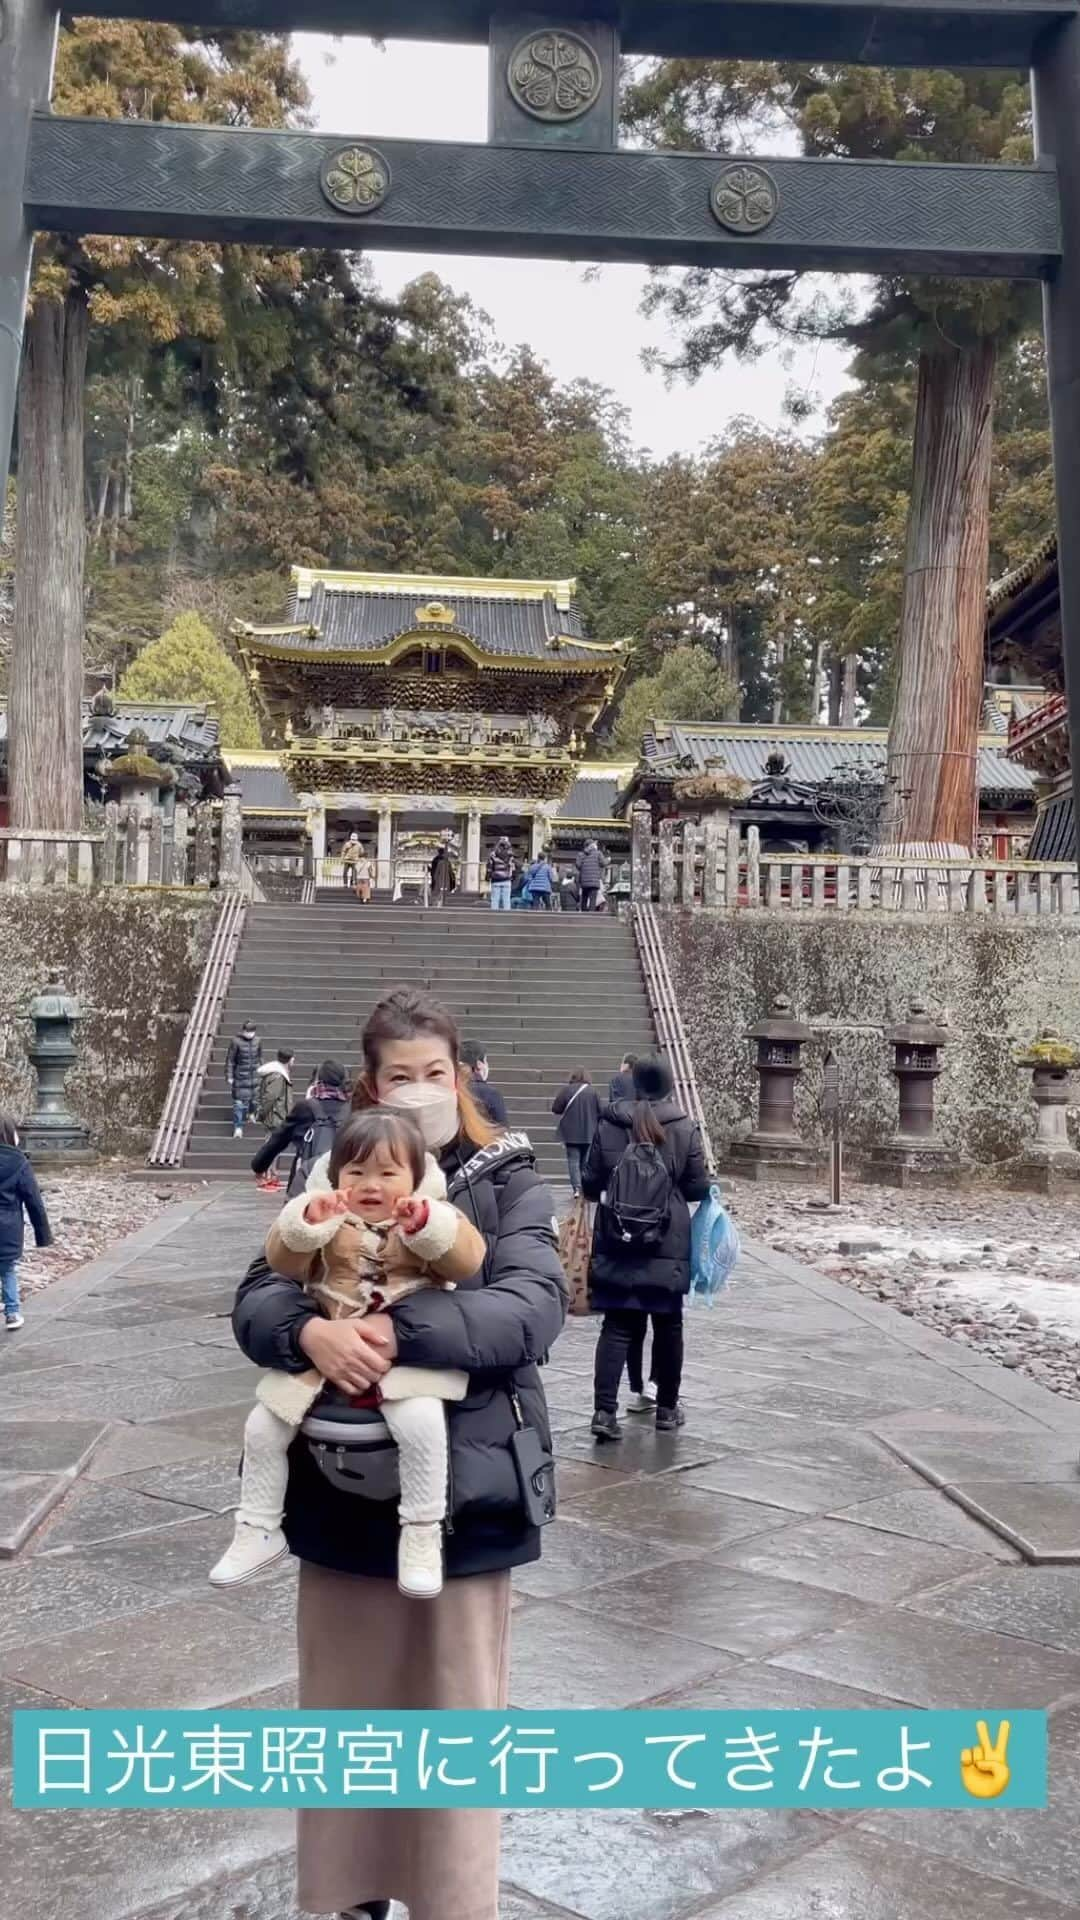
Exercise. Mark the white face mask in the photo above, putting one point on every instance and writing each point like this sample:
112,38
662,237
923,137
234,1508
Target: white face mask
434,1107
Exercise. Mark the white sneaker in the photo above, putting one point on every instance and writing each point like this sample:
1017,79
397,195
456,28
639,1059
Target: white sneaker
643,1402
238,1133
252,1549
13,1320
420,1559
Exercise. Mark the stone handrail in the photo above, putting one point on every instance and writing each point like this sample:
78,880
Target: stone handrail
704,866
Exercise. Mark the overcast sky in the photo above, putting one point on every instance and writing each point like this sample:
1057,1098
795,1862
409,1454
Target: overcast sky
583,330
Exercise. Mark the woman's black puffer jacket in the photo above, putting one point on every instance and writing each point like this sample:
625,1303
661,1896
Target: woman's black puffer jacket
495,1328
654,1281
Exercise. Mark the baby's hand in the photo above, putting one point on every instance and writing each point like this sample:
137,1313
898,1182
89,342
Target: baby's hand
411,1214
323,1206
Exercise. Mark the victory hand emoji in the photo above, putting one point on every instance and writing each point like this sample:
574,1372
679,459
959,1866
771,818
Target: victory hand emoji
983,1769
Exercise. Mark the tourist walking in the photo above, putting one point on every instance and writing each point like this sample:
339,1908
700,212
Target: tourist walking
578,1111
541,880
242,1063
365,876
621,1086
487,1097
590,868
350,854
443,877
500,873
363,1646
307,1131
646,1162
19,1197
274,1090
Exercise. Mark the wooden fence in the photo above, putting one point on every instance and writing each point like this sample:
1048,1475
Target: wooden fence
694,866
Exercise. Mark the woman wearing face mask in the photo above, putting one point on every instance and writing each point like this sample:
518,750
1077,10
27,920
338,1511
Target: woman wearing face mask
362,1644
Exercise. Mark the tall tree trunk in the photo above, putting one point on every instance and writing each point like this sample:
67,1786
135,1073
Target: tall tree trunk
45,709
815,681
933,740
849,689
778,689
836,669
733,706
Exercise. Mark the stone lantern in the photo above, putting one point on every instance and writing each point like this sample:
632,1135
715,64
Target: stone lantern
915,1156
917,1047
774,1147
136,776
137,781
51,1132
1050,1160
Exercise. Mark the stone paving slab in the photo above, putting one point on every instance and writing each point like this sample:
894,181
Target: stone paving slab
947,1667
667,1866
926,1515
857,1876
775,1553
734,1612
98,1864
167,1658
1042,1520
25,1500
101,1511
1031,1851
34,1445
1041,1604
860,1561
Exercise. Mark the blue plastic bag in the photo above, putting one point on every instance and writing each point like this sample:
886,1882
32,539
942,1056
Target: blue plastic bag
714,1248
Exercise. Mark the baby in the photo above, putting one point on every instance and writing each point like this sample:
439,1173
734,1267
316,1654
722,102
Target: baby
373,1226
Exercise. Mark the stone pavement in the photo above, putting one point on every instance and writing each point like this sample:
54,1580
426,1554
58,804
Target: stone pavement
776,1554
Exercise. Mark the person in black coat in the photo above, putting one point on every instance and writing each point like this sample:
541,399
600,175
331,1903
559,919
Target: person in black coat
627,1286
590,869
242,1063
622,1083
578,1110
319,1113
19,1196
487,1097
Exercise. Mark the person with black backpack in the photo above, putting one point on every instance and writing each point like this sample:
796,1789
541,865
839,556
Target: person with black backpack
645,1164
308,1131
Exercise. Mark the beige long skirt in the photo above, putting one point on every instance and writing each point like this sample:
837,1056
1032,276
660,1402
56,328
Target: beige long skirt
363,1645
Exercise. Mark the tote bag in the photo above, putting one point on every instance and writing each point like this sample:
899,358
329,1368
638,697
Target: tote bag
575,1251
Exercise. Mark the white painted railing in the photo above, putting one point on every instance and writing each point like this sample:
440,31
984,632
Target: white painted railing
694,866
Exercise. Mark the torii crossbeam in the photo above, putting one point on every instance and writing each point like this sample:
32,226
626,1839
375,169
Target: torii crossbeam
553,182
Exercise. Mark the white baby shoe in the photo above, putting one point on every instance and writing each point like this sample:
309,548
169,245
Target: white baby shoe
252,1549
420,1559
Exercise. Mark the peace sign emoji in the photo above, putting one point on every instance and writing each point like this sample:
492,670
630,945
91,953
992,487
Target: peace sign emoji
983,1769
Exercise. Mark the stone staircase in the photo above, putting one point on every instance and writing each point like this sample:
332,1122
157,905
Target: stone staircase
543,993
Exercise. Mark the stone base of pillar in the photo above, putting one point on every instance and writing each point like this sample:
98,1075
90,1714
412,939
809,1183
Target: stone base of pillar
1051,1171
766,1157
64,1145
910,1164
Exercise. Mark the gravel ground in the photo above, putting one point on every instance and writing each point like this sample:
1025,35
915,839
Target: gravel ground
999,1271
88,1211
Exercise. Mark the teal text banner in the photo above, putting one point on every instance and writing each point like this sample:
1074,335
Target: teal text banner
978,1760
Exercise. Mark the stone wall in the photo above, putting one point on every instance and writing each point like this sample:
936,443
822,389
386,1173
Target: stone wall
133,962
993,982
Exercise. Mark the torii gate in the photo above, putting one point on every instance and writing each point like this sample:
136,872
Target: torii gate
551,182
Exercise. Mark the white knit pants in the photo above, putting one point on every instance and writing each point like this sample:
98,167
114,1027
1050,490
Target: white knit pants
418,1427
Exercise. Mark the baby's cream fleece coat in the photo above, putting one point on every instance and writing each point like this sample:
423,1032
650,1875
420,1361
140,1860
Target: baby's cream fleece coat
351,1269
